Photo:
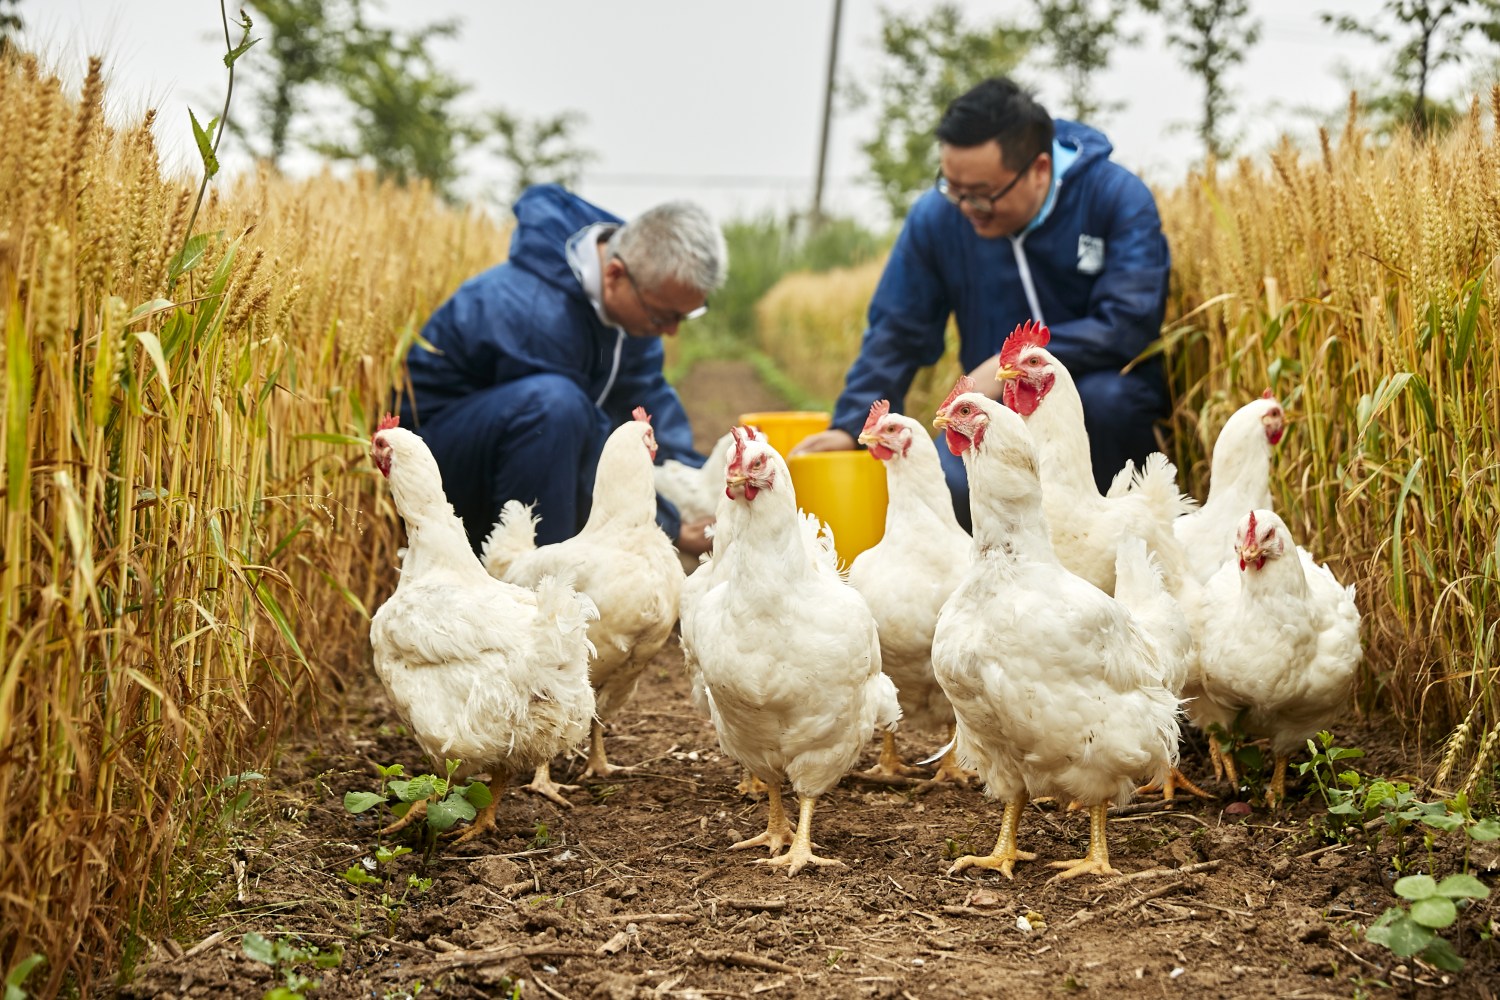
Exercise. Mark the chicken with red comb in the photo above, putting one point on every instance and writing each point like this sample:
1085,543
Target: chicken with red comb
906,577
788,652
1278,644
1058,688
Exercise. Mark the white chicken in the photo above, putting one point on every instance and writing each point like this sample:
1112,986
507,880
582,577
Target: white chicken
484,671
1086,526
1059,690
622,560
1278,643
907,576
788,652
1240,480
695,492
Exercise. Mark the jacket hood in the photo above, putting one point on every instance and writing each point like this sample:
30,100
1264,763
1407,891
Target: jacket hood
546,216
1090,144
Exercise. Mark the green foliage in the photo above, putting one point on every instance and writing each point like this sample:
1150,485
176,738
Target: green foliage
1431,906
1081,36
405,121
1211,38
17,976
1428,35
304,41
542,151
284,955
446,802
930,58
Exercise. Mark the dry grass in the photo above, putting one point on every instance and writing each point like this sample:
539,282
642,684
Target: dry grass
1358,283
189,546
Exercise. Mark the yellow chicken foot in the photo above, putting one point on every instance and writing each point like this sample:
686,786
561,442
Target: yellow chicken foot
417,811
779,832
483,823
599,765
1175,780
1276,790
750,785
949,770
1097,862
1223,762
542,784
889,763
1005,854
801,855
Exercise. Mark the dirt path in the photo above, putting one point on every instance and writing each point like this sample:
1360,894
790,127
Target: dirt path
715,393
632,893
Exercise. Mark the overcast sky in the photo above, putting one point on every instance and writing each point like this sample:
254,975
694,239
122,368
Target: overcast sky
716,101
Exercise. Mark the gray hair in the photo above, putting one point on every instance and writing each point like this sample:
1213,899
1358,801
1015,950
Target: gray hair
675,240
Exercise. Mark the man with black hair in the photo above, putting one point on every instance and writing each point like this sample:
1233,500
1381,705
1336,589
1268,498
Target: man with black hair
1028,219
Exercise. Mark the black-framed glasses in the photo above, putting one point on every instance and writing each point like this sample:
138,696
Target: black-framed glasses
659,320
984,204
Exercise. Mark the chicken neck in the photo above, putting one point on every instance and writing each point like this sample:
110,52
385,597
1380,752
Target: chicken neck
1062,441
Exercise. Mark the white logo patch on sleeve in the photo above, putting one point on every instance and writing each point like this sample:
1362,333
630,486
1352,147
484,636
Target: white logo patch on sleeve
1090,254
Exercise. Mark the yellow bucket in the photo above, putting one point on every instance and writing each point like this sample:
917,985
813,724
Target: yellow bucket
846,489
786,428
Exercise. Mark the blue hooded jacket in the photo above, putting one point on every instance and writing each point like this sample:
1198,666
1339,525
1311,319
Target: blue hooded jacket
1093,266
528,316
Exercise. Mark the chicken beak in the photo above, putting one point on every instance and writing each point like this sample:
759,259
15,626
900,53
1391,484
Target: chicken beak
868,438
1249,552
1006,373
941,421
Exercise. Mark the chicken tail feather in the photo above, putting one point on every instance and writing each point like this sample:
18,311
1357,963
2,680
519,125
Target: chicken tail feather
513,536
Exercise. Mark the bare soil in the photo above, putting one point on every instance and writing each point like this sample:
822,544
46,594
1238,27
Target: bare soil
632,893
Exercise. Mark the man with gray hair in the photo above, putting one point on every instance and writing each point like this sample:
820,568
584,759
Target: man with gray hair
532,363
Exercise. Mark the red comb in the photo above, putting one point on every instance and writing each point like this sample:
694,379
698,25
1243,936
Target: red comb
1250,534
1028,334
639,413
963,385
387,422
1268,394
878,410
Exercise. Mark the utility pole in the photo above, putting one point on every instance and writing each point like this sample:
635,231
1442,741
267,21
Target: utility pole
833,61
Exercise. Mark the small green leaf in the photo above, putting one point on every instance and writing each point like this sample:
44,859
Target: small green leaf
478,794
390,771
387,854
345,439
258,948
356,875
1398,932
191,255
1447,822
205,139
328,959
1441,954
1434,911
18,974
1415,887
358,802
423,786
1462,887
443,814
1485,830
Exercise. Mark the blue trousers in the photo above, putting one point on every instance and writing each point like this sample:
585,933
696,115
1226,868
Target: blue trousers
1119,412
536,440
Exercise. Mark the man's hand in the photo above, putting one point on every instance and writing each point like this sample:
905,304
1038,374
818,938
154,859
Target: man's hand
832,439
985,380
693,539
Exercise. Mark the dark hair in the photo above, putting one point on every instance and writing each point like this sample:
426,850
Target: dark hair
998,109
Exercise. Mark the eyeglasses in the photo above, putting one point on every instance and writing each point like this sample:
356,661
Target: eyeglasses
984,204
659,320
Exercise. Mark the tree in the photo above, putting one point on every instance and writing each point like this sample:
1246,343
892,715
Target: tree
10,24
1434,31
406,121
1081,41
930,59
304,42
541,150
1211,38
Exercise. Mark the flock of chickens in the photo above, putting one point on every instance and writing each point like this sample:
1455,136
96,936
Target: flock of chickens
1059,646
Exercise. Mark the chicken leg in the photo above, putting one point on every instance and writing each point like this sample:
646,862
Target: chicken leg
949,769
598,764
1276,790
1097,861
1175,779
750,785
542,784
779,832
889,765
1005,854
417,811
1223,762
484,821
801,855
